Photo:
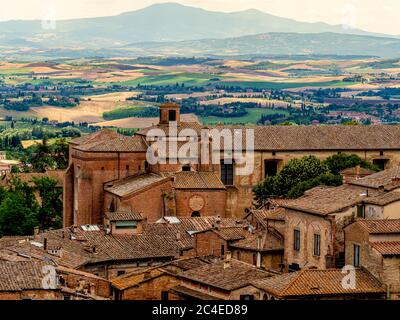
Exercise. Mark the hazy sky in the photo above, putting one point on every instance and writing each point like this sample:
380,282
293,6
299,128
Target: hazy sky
371,15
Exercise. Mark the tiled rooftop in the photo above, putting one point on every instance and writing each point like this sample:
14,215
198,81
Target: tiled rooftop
17,276
326,200
380,226
123,216
260,241
118,144
133,184
197,180
324,137
238,275
388,248
318,282
386,178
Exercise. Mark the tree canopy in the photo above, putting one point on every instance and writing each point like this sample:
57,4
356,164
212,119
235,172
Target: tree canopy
21,212
300,175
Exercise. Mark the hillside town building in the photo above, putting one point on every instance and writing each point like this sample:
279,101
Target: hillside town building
108,171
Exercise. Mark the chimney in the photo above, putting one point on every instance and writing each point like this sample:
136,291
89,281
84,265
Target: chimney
178,236
228,260
45,244
36,231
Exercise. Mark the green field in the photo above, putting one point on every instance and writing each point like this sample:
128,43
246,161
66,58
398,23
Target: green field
170,79
254,114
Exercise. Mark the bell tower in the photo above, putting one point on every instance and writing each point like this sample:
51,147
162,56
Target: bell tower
170,112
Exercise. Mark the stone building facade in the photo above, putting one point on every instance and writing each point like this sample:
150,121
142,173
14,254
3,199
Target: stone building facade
375,246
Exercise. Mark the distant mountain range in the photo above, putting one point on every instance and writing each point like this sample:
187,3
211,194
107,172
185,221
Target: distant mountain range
276,44
187,29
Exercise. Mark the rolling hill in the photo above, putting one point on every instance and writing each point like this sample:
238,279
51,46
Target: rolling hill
276,44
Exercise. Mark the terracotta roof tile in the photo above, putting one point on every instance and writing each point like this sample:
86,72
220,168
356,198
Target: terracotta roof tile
189,263
318,282
118,144
102,135
380,226
197,180
384,198
17,276
380,179
238,275
388,248
260,241
123,216
134,184
291,138
326,200
231,234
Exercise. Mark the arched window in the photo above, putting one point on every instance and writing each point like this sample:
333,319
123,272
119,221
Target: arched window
196,214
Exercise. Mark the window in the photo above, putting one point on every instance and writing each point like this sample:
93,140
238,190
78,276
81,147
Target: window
171,115
164,295
227,172
254,259
196,214
120,273
186,168
356,256
361,211
296,242
317,245
271,168
238,255
127,167
222,250
126,225
380,163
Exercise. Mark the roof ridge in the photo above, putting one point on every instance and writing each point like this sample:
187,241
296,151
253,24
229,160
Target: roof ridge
292,281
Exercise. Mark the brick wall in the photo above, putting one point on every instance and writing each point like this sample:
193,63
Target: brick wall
308,225
214,202
151,289
269,260
209,243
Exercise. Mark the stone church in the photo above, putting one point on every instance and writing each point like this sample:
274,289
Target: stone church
109,172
